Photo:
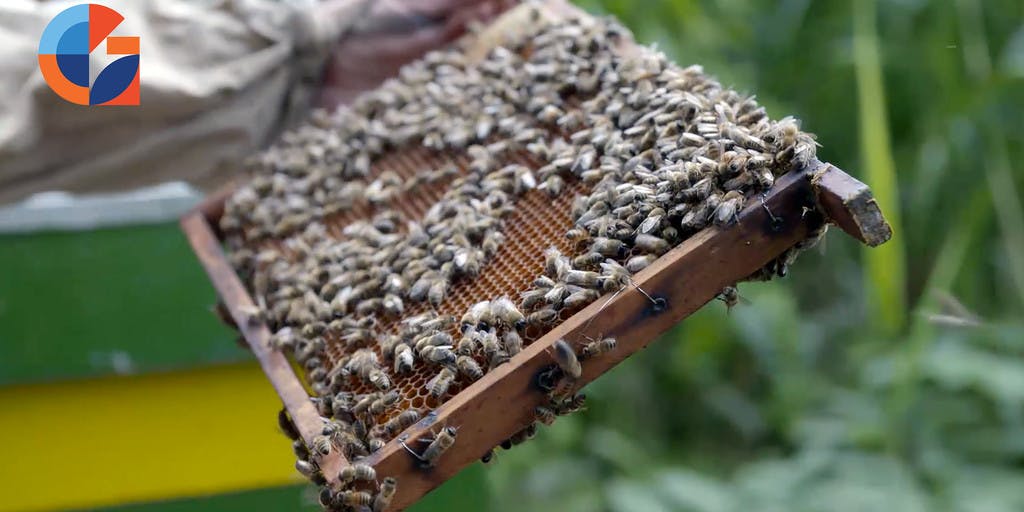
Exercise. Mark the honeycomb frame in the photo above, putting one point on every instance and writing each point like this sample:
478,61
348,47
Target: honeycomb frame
502,403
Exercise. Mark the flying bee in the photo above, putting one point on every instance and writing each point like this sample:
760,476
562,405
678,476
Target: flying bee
730,295
388,489
469,367
441,443
401,422
438,386
598,347
651,244
504,312
544,415
357,471
566,359
404,358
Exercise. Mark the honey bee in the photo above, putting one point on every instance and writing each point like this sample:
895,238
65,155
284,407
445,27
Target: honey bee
442,355
640,262
556,295
492,349
581,298
544,415
587,260
504,312
284,422
401,422
571,404
321,445
490,457
392,305
357,471
375,444
727,212
436,339
378,379
542,316
363,403
730,295
651,244
566,359
308,469
438,386
438,291
532,297
354,498
598,347
513,342
469,367
300,450
609,247
478,314
381,404
522,436
404,359
468,343
388,489
441,443
584,278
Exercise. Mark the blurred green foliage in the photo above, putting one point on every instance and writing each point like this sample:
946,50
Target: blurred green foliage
838,388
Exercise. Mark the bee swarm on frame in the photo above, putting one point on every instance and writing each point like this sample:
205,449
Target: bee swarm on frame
396,274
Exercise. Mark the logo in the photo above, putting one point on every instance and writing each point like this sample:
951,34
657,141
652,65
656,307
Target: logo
64,52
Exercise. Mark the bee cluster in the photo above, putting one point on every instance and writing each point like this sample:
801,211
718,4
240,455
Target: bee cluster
403,247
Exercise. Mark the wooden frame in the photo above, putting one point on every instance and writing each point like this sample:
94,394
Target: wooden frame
501,403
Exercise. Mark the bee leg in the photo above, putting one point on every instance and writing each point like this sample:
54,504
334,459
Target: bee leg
776,222
410,450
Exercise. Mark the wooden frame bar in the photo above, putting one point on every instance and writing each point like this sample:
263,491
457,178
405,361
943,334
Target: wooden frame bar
502,402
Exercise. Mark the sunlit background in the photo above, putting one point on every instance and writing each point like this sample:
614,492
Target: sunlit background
870,379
